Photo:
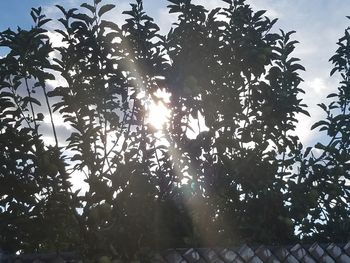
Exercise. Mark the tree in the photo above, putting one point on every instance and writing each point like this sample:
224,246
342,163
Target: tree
326,176
231,82
34,183
245,85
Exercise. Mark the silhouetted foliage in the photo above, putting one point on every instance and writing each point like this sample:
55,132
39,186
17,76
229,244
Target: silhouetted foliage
225,169
326,173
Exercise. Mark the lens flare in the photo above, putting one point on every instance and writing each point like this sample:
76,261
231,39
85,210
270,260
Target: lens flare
158,114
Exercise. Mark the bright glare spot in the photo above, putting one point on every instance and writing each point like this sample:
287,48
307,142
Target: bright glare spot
318,85
158,114
163,94
184,180
141,95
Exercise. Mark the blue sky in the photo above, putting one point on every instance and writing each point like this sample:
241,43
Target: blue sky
319,24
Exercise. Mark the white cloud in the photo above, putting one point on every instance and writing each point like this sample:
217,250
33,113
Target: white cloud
165,20
56,39
58,119
316,91
210,4
115,15
271,11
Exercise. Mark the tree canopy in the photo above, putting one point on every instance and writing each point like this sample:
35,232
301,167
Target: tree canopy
225,168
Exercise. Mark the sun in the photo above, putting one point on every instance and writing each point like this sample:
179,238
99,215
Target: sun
158,114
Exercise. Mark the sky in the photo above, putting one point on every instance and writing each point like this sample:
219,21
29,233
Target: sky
318,25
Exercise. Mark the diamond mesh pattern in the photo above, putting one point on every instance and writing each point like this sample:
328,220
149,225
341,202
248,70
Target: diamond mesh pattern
325,253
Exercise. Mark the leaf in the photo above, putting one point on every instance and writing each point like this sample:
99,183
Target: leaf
109,24
334,70
6,94
64,34
273,22
304,112
287,36
105,9
259,13
31,100
319,123
76,157
174,9
71,11
321,146
37,11
40,117
78,24
291,60
322,106
307,151
62,9
89,7
88,20
332,95
295,67
33,16
44,21
63,22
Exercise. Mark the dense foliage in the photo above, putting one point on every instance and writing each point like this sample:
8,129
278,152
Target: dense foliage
226,167
326,175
